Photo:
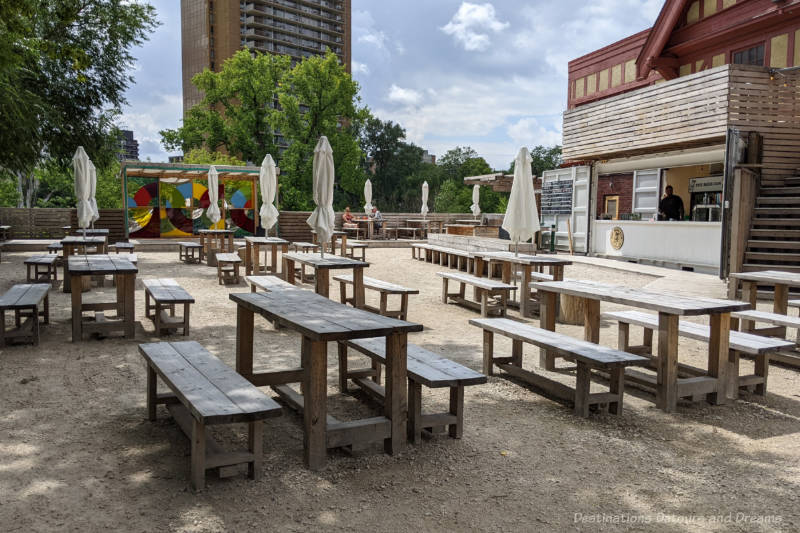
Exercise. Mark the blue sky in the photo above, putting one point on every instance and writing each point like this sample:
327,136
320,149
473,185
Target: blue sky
491,75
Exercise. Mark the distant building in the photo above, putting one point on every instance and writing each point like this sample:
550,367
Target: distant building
176,158
428,158
211,32
129,146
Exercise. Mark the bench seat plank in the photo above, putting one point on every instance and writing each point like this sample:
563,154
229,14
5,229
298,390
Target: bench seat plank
213,392
482,283
743,342
167,290
592,354
771,318
377,285
269,283
24,295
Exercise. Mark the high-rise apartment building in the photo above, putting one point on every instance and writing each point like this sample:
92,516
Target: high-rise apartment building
129,146
212,31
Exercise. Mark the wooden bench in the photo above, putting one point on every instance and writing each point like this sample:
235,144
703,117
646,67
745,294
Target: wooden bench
207,392
423,368
25,300
762,348
587,356
450,257
351,248
491,296
269,283
190,252
407,230
122,246
748,319
384,288
418,251
42,268
166,294
228,267
794,303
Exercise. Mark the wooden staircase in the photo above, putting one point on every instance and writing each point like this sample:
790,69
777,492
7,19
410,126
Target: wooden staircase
774,242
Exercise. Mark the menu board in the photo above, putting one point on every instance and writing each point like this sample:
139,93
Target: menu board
557,198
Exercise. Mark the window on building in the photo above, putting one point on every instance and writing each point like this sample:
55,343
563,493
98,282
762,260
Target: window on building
751,56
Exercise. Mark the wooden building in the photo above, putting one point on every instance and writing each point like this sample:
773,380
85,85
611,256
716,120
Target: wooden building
707,101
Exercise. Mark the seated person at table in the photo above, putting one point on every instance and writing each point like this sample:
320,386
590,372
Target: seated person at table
671,206
377,217
347,217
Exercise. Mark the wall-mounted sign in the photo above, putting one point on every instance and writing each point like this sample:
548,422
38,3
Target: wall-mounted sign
617,237
557,197
709,184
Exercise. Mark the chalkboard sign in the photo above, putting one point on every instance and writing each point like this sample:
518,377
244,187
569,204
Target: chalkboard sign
557,198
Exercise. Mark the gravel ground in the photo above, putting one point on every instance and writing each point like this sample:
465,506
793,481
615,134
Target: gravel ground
77,453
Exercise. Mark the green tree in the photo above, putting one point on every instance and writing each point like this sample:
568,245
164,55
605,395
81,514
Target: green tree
236,114
454,196
201,156
64,70
317,97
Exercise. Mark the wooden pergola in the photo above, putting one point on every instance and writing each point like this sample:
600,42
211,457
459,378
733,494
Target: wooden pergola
189,172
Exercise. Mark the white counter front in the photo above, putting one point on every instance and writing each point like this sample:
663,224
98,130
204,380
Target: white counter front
695,244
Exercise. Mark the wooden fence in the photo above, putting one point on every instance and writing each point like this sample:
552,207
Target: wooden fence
47,223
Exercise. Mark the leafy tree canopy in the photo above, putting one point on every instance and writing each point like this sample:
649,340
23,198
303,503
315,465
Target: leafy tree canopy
201,156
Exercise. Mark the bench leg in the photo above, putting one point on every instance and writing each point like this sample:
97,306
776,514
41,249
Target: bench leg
488,352
444,290
342,348
414,411
198,455
404,306
46,310
582,384
152,393
186,307
255,445
648,339
733,372
35,325
342,292
762,369
147,305
623,336
617,386
516,353
484,303
457,409
384,303
157,318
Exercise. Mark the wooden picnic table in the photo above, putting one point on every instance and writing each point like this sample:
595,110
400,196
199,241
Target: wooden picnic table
322,267
223,238
334,237
124,273
253,251
781,281
527,264
669,307
319,321
4,232
425,224
71,245
369,225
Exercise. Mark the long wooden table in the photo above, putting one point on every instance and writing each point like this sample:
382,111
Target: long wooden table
253,251
322,267
222,237
124,273
781,281
319,321
527,264
71,245
669,307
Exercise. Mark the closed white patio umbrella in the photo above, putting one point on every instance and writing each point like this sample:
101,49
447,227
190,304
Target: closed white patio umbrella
322,219
268,183
83,187
424,211
213,195
522,219
92,198
476,198
368,197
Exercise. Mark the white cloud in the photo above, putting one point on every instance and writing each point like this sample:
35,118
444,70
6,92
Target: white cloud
376,39
407,97
359,68
470,24
162,112
527,131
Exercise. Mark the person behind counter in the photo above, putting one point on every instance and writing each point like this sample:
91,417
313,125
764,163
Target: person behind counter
671,206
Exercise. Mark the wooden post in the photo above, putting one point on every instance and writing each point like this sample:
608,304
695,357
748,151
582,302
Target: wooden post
244,342
396,403
547,320
315,391
667,378
718,357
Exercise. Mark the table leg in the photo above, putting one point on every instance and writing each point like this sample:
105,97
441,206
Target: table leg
77,301
202,246
344,245
780,304
315,394
321,281
248,258
244,342
525,303
358,287
396,402
547,320
591,320
274,259
68,251
749,294
288,270
478,266
719,364
129,305
506,272
667,379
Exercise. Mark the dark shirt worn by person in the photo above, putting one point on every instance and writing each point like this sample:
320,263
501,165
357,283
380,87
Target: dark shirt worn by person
672,207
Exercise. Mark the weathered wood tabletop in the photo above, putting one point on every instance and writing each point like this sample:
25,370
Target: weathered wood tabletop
670,307
319,321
